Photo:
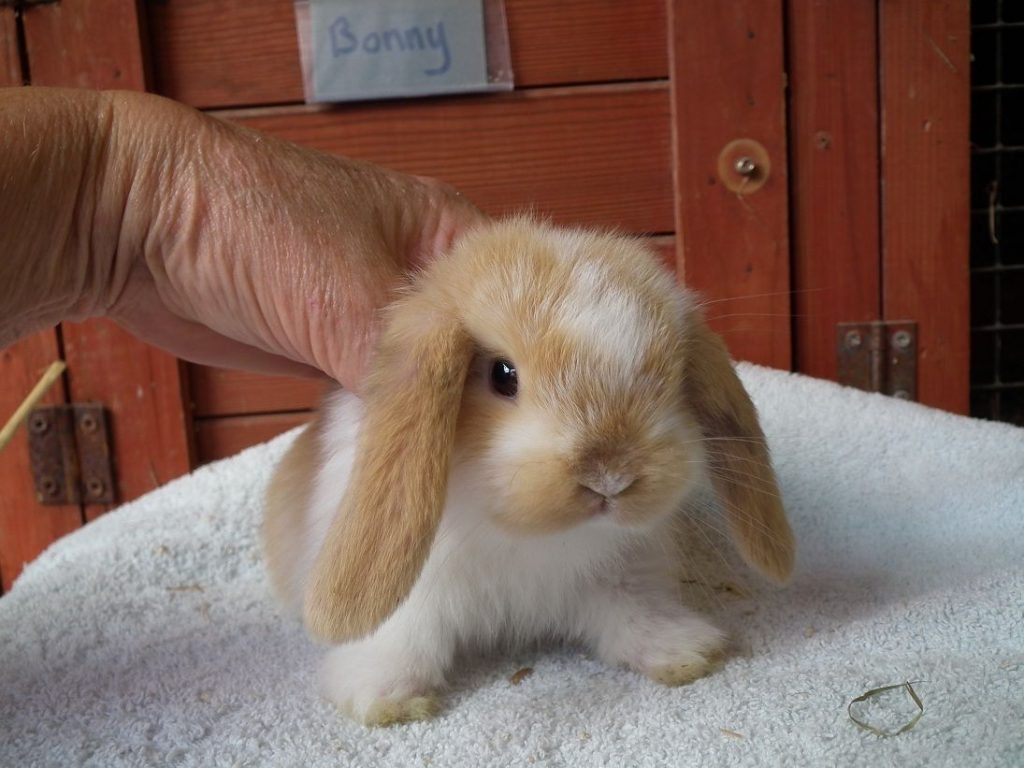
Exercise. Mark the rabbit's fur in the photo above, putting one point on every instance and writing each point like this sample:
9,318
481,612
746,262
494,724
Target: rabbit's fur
438,513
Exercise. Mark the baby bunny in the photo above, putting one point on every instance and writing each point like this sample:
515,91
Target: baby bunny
544,405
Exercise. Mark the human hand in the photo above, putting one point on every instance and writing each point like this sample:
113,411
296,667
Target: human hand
220,245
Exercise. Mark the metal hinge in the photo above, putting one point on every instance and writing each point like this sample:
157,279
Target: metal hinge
879,357
69,448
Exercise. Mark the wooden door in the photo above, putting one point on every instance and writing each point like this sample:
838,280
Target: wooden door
879,106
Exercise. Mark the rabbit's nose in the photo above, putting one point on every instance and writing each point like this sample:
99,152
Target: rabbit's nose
607,484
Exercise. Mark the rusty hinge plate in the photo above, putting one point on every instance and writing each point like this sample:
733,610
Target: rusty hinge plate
69,448
879,357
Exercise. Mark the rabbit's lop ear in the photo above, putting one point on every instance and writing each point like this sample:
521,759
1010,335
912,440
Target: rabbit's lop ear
737,455
379,540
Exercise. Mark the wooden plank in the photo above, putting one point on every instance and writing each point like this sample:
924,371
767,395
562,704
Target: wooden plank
727,84
10,62
142,388
237,52
582,41
85,44
925,63
223,392
27,527
833,80
222,437
594,155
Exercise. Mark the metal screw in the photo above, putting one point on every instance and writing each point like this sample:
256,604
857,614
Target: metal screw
901,339
49,486
745,166
901,394
853,339
88,423
39,424
95,487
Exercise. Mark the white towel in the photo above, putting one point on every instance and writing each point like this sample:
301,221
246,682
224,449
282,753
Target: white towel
149,637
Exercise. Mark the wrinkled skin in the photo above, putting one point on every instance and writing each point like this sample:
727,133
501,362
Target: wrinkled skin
218,244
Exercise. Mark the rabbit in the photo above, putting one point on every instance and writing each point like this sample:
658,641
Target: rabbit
543,404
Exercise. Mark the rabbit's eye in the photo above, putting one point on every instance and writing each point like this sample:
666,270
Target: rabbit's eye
504,379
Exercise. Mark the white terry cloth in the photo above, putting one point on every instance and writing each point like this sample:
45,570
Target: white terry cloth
150,638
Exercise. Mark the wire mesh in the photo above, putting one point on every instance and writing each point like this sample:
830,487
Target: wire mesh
997,210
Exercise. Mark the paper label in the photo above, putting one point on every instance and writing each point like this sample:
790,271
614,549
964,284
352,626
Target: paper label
381,48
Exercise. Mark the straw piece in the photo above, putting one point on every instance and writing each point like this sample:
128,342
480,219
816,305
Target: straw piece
186,588
45,382
876,692
521,675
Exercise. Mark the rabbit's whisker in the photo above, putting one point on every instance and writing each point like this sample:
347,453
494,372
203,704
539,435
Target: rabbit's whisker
745,296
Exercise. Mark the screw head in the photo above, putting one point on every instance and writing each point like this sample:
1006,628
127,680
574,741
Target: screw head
38,423
853,339
745,166
88,423
49,486
901,339
95,487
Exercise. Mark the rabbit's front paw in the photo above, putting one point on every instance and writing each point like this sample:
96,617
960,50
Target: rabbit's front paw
376,689
680,653
672,646
390,711
686,667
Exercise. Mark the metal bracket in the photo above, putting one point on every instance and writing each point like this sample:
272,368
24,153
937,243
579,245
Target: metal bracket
879,357
69,448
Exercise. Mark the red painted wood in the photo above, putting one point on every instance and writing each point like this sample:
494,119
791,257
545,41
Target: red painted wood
833,86
223,392
727,84
85,44
925,64
10,63
590,155
222,437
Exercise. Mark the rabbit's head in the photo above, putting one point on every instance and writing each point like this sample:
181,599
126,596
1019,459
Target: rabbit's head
577,383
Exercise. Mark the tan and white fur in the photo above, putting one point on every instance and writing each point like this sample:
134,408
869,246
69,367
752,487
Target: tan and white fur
438,513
